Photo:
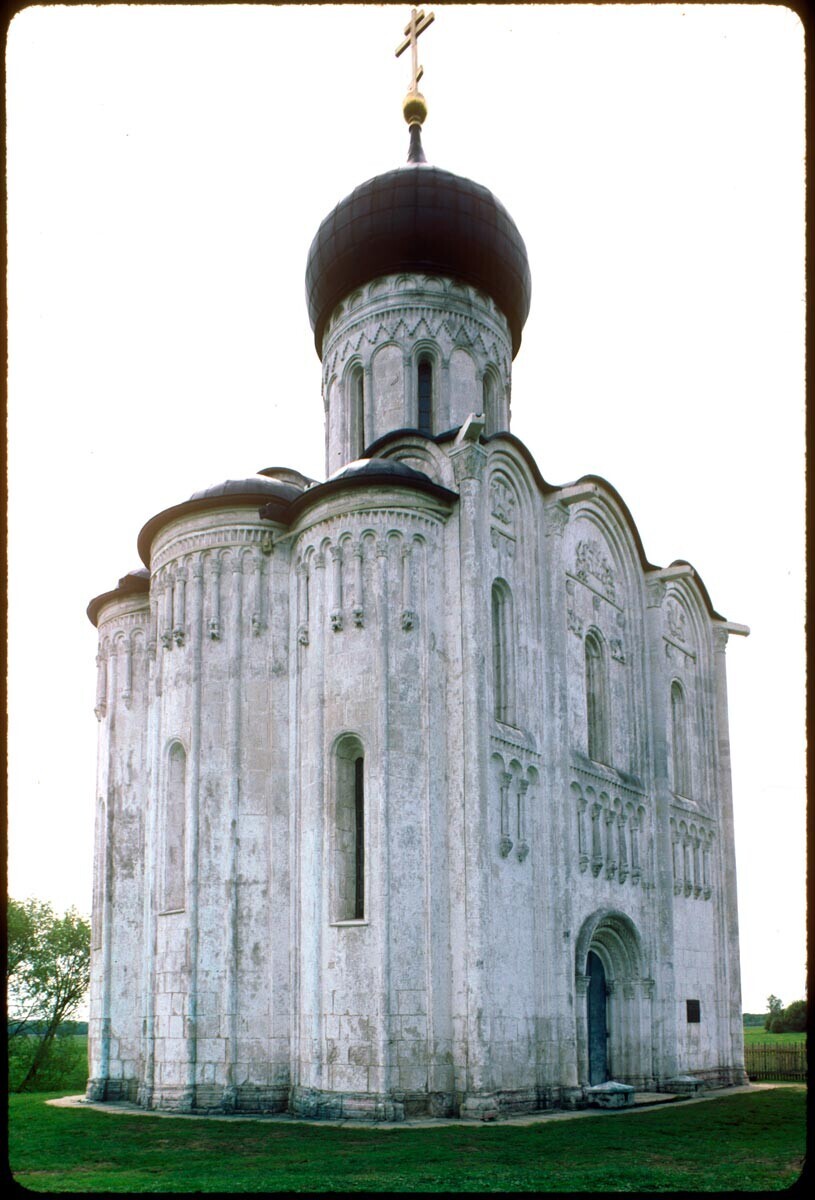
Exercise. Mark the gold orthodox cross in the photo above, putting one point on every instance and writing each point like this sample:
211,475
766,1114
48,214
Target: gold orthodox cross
418,24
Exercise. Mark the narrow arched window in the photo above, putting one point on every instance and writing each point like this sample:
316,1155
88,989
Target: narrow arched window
502,653
597,715
424,381
488,398
679,740
174,873
349,832
357,409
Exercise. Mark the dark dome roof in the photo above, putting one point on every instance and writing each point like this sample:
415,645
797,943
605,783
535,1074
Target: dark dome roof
381,468
419,218
252,486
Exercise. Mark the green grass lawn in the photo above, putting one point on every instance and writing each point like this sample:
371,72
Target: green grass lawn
741,1142
755,1033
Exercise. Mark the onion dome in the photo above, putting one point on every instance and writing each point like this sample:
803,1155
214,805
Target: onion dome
422,219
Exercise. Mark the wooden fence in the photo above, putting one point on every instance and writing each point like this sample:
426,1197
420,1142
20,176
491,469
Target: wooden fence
786,1061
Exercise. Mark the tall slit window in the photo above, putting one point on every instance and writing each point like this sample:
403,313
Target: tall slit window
349,832
358,441
597,715
174,875
424,377
679,740
502,627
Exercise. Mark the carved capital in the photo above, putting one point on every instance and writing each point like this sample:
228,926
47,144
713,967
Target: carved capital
555,519
302,635
257,624
214,628
505,845
468,462
523,850
581,984
266,542
358,616
408,619
720,637
655,591
336,620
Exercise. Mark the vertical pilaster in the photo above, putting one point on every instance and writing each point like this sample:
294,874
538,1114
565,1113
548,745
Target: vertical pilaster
233,744
468,459
664,1003
383,918
560,978
728,895
150,906
192,849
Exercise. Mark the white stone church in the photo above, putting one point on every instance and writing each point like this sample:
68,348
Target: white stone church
414,784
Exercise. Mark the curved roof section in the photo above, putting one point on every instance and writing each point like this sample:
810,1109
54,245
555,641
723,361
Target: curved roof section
368,472
419,218
133,583
247,493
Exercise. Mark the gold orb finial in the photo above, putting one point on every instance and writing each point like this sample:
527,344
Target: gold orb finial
414,108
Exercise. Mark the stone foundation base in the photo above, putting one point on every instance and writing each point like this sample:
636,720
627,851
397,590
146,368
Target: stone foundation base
344,1106
571,1098
480,1107
113,1089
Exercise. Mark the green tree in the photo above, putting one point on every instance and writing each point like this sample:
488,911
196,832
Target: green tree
774,1008
793,1019
48,972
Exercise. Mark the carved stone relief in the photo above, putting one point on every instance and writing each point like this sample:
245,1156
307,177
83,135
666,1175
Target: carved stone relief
591,563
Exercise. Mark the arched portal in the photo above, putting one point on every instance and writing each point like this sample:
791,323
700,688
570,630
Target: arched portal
613,1011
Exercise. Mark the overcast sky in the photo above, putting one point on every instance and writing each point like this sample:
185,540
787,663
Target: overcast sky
167,170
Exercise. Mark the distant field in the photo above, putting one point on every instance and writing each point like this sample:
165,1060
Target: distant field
754,1034
744,1142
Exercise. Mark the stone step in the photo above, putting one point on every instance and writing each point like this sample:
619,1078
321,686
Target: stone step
643,1099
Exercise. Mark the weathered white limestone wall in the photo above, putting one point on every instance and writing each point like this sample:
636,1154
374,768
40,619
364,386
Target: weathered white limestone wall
121,708
370,664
